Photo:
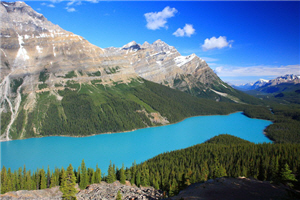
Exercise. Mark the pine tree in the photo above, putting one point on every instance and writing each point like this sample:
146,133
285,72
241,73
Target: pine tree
111,177
4,180
23,177
204,172
145,175
43,180
138,179
68,184
219,170
83,176
173,188
19,182
28,182
122,175
286,175
62,172
133,173
78,175
119,195
10,182
91,176
98,175
48,177
54,178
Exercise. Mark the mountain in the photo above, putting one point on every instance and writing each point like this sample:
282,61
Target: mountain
262,84
55,82
284,89
163,64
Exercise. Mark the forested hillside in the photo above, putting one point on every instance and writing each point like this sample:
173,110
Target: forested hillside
86,109
223,155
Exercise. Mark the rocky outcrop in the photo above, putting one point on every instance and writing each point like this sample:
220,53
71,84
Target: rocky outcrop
103,191
107,191
236,188
46,194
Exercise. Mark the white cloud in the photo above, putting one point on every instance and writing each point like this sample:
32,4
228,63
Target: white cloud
51,6
214,43
187,30
70,9
157,20
179,32
93,1
260,70
70,3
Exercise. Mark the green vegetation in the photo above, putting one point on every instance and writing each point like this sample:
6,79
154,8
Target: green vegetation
225,139
286,126
44,75
83,176
15,84
94,82
284,93
68,182
97,73
70,74
42,86
5,118
119,195
112,70
95,108
223,155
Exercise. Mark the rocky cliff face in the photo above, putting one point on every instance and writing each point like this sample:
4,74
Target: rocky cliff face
161,63
38,56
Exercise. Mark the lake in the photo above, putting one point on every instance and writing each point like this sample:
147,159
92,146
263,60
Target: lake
138,145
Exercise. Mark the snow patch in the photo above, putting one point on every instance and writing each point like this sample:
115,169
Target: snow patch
4,53
224,85
22,53
26,37
263,80
39,49
182,60
158,62
54,51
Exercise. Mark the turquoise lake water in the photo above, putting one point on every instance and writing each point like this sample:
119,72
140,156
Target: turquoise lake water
127,147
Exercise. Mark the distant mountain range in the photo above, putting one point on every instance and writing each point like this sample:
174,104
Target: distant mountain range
266,85
283,89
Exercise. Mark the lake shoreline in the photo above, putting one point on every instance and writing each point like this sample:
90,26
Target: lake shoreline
108,133
138,145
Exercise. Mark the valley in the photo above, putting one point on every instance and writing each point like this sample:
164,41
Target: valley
147,119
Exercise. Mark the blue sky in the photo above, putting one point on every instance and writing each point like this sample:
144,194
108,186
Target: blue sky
241,41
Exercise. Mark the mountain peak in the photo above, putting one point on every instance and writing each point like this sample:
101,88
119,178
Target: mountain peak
132,45
159,42
21,8
263,80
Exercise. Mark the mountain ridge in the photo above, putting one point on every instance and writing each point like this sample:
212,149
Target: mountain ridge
43,66
288,78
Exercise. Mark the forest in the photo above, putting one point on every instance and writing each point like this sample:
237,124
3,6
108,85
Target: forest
221,156
94,108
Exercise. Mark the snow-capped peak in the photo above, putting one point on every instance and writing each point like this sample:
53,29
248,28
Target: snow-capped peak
182,60
263,80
